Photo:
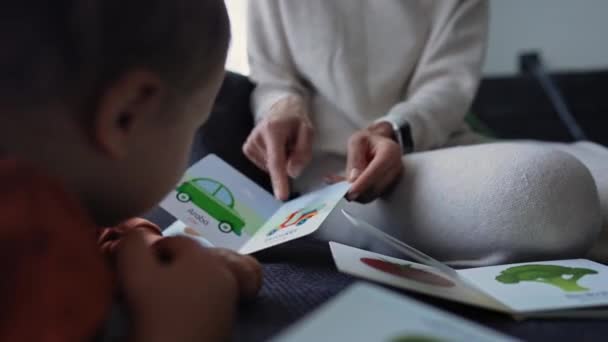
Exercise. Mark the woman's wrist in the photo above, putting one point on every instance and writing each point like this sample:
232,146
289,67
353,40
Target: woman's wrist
289,105
384,129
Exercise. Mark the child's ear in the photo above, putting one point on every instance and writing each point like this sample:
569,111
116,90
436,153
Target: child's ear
125,109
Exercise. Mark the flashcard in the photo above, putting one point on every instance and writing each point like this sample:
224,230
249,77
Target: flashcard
544,286
219,206
299,217
562,288
400,246
364,312
408,275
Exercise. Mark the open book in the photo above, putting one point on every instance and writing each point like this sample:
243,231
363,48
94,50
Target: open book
218,206
563,288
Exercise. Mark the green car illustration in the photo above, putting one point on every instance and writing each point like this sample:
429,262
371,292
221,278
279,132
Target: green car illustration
215,199
415,338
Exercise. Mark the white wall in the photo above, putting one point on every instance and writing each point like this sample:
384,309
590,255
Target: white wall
237,55
570,34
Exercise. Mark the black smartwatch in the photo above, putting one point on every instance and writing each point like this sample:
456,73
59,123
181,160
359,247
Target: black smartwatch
403,134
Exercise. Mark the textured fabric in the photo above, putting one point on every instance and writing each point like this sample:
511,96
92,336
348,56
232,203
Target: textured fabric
355,61
54,283
298,276
595,157
477,205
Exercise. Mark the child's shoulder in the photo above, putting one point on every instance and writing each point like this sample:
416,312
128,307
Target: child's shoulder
52,271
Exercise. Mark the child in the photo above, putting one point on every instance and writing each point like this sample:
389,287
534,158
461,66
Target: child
99,102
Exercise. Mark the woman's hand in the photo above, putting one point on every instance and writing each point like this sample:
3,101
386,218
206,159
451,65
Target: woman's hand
373,162
281,144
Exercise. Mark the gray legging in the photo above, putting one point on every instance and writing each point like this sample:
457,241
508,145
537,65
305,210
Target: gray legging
484,204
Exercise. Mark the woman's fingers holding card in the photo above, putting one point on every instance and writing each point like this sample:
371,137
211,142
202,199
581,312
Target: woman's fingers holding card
382,170
333,179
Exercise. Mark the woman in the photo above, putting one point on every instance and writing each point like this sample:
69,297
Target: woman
376,91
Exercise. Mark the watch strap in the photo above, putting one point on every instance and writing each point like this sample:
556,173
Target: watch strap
405,137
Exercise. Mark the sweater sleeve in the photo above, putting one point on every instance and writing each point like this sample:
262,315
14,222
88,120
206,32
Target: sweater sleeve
446,76
270,59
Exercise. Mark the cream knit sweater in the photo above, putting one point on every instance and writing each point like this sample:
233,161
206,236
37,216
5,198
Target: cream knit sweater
357,61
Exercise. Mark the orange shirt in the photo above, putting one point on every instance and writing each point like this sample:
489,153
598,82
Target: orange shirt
55,284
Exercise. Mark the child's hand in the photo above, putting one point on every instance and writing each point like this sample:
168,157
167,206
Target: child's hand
180,294
245,269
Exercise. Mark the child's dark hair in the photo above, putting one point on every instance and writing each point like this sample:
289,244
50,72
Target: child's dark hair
69,50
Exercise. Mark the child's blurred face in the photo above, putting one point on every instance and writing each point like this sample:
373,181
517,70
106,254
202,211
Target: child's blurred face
158,150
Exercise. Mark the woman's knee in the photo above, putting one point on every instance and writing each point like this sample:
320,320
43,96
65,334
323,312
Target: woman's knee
549,207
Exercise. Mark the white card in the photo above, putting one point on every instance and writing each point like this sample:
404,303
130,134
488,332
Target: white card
407,275
296,218
535,289
401,246
544,286
368,313
221,207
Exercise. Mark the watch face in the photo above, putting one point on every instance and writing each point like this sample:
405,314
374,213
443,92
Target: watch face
407,143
